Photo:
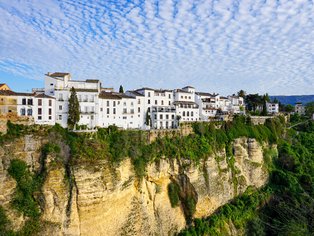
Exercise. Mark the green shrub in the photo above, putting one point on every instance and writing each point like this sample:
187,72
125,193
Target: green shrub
173,193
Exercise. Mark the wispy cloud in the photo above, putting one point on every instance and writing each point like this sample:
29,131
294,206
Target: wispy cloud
215,45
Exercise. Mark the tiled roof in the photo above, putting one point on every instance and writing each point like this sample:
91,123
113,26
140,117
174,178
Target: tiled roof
206,94
92,81
109,95
136,93
86,90
58,74
188,87
7,93
42,95
145,88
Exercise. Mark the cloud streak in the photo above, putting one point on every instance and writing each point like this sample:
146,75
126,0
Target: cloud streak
219,46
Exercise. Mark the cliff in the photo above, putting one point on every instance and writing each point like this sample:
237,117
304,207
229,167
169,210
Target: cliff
97,198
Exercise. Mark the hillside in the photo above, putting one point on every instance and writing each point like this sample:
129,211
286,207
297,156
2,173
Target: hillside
116,182
294,98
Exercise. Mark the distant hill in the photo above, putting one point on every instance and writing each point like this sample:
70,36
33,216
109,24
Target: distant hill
293,99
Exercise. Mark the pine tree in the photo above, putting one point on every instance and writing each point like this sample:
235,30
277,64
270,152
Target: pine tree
121,90
74,109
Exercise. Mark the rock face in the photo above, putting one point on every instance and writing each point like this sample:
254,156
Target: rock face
98,199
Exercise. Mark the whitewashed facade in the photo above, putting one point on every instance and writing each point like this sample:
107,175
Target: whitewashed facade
299,108
272,108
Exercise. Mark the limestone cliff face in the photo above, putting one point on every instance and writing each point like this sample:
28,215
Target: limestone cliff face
98,199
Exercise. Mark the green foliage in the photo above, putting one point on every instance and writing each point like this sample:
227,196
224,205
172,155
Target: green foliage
74,109
173,194
4,222
121,90
309,109
286,205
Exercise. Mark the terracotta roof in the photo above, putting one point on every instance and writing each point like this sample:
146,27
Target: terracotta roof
86,90
113,95
92,81
7,93
42,95
108,95
58,74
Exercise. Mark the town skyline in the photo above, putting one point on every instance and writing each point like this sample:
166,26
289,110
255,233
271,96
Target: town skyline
222,46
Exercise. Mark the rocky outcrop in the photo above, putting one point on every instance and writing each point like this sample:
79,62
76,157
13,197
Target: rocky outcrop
98,199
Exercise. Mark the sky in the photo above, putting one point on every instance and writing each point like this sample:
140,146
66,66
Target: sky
217,46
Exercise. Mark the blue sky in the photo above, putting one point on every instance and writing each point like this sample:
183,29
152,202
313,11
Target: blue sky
217,46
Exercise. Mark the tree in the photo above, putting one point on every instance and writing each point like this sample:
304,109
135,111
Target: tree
309,109
265,100
241,93
74,109
147,121
121,90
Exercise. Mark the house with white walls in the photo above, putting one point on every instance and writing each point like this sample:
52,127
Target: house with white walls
187,109
236,105
164,117
208,105
299,108
272,108
59,84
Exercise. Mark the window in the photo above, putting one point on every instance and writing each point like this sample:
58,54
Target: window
172,116
39,111
132,111
155,116
108,110
50,111
160,116
51,84
192,113
132,104
60,108
187,113
181,96
114,103
148,94
162,102
189,97
60,97
169,103
148,109
124,110
155,102
183,114
124,104
29,112
148,101
114,111
167,117
169,95
30,102
39,117
107,103
139,101
50,117
185,97
23,112
92,117
50,103
138,109
40,102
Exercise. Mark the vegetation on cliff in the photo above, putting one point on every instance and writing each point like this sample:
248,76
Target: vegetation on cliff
284,207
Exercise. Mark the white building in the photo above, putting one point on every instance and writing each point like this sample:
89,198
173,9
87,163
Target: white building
59,85
186,107
272,108
164,117
209,104
299,108
39,106
236,105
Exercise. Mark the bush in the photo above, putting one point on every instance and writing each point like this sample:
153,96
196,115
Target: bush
173,193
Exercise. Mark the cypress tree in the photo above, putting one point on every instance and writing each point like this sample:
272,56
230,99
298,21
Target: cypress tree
74,109
121,90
